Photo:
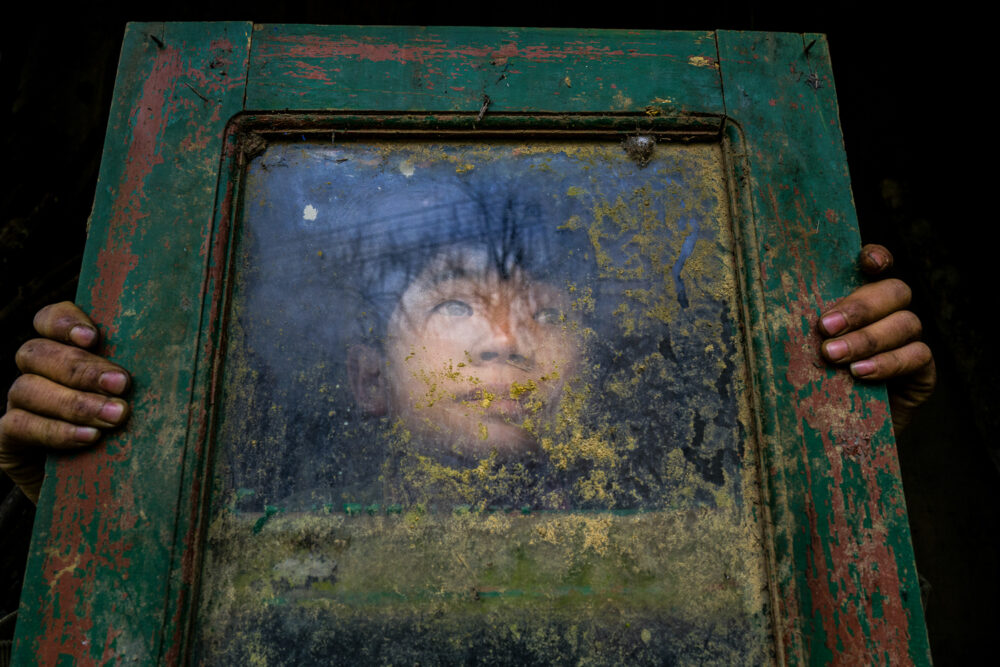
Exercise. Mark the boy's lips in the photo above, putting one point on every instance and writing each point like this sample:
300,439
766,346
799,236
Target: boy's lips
497,401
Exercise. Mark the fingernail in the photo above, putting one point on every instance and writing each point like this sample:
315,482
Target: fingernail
111,412
862,368
882,261
113,382
82,336
836,350
833,323
85,433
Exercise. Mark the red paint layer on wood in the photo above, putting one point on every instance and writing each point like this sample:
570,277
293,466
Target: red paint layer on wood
317,46
860,563
95,527
147,121
69,571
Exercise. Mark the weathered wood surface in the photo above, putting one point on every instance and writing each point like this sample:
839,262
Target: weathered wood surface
451,69
112,564
110,530
846,586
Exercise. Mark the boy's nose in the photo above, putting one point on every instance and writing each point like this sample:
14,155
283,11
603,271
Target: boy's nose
513,358
506,344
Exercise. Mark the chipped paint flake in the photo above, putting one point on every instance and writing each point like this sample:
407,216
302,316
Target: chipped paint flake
702,61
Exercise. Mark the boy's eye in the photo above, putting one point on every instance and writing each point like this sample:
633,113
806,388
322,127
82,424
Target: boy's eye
453,308
548,316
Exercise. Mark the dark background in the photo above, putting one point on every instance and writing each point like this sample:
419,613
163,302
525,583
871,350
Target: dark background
918,143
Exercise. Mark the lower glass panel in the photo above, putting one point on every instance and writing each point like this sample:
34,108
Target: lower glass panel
484,403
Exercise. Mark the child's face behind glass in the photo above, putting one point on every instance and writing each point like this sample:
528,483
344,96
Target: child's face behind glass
477,360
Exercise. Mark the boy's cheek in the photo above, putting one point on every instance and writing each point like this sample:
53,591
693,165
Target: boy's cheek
563,352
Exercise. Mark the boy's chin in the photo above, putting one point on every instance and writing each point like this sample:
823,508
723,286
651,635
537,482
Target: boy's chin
478,439
499,436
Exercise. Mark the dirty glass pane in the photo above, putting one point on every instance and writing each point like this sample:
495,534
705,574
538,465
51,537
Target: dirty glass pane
484,403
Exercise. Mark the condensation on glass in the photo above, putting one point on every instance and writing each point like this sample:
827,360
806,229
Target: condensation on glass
484,402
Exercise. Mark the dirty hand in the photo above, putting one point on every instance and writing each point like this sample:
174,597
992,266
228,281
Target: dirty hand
873,332
64,398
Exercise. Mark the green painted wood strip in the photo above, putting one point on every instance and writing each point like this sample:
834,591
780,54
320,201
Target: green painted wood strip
107,524
198,475
847,586
451,69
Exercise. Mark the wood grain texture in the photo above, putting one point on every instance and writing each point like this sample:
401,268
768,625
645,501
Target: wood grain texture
846,586
451,69
105,535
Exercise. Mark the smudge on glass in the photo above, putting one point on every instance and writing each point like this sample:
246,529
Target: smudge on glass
484,400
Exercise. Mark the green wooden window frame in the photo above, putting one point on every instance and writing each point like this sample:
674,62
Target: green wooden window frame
113,570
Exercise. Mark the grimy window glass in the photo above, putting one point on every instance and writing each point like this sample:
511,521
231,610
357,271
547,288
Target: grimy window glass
485,399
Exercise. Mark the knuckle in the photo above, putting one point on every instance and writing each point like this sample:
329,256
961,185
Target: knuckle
895,363
922,353
55,315
79,408
909,360
865,343
42,316
6,426
82,371
14,425
912,325
20,389
83,374
900,290
854,312
56,433
25,355
885,366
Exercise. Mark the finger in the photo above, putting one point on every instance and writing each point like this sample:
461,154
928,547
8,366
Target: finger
869,303
875,259
907,360
26,431
893,331
71,366
67,323
33,393
25,467
909,392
